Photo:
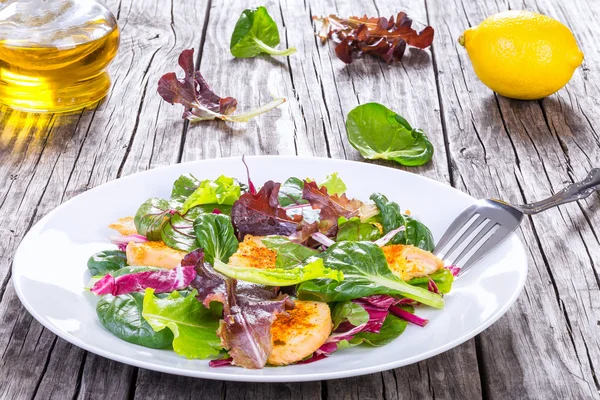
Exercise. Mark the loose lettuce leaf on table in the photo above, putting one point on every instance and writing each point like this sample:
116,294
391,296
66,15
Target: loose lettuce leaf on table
194,327
199,101
104,262
354,230
379,133
378,36
215,235
255,32
122,315
366,273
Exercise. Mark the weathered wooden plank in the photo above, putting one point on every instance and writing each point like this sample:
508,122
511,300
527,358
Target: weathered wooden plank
78,154
502,148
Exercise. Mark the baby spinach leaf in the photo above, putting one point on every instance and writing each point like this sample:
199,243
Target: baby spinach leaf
354,230
392,328
223,190
215,235
152,215
290,192
416,233
255,32
443,279
379,133
334,184
289,254
280,276
183,188
391,216
365,273
194,327
104,262
122,315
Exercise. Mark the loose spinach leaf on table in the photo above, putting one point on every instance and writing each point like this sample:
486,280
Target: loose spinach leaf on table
255,32
104,262
366,272
416,233
379,133
152,215
122,315
289,254
354,230
194,327
215,235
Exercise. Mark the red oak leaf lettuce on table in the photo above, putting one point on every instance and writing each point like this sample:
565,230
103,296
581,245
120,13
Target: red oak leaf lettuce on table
199,101
380,37
280,275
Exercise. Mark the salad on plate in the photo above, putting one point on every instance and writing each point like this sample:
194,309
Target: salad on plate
286,273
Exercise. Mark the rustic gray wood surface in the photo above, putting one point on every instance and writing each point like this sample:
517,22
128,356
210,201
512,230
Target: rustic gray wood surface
547,346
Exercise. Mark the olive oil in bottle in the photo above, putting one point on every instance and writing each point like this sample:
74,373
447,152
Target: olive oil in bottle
54,54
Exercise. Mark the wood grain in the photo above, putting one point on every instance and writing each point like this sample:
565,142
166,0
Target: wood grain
546,346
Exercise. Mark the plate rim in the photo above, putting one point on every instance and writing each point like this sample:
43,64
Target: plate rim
225,376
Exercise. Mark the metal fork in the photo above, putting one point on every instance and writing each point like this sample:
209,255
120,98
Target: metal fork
485,224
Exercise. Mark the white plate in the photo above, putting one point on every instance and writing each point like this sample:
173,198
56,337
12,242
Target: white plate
49,269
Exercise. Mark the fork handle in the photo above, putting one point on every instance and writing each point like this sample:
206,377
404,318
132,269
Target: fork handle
573,192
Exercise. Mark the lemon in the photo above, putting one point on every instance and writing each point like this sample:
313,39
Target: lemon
522,54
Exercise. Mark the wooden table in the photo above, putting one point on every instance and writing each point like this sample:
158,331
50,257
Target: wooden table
548,344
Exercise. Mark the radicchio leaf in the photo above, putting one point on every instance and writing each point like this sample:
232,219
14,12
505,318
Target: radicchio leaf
332,207
161,280
200,102
260,215
381,37
248,314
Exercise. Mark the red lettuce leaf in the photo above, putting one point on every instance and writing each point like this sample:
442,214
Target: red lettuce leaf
332,207
248,314
193,92
162,281
380,37
260,214
209,283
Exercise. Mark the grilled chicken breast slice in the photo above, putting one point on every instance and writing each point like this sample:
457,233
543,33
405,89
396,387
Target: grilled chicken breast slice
153,254
407,261
125,226
252,253
301,332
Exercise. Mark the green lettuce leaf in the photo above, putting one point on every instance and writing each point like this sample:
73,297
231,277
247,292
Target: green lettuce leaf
183,188
215,235
354,230
279,276
223,190
366,272
152,215
392,328
334,184
194,327
352,312
290,192
443,279
289,254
